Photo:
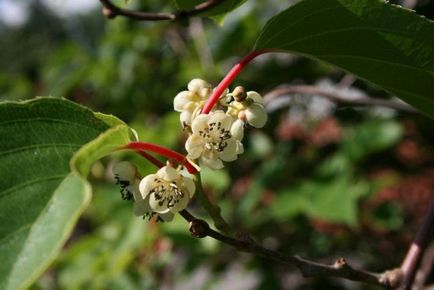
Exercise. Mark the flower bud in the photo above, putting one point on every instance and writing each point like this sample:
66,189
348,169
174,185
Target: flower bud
239,94
198,86
185,118
180,101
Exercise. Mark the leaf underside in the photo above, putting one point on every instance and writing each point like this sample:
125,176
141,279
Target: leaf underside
384,44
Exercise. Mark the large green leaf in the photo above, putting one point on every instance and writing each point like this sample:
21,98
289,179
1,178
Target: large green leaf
40,198
224,7
387,45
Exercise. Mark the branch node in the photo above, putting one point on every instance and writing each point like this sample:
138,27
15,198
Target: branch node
107,12
393,278
198,228
340,263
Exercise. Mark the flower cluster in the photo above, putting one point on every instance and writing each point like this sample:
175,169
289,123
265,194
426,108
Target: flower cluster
217,136
161,194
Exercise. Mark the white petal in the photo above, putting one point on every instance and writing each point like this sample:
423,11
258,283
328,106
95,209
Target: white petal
135,190
230,152
155,205
189,186
141,207
222,118
237,129
256,115
200,123
180,101
185,118
147,184
205,92
181,204
125,171
167,217
257,98
240,148
168,173
196,85
194,146
209,159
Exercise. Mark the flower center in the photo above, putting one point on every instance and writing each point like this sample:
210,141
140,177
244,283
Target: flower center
166,192
215,137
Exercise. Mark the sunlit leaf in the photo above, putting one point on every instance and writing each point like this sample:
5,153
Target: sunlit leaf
40,198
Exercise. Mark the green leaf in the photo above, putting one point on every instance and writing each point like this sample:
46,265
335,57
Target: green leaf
222,8
333,200
40,198
387,45
371,137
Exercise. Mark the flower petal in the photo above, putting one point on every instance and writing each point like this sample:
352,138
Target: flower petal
125,171
194,146
230,151
255,97
240,148
147,184
256,115
167,217
185,118
158,206
197,85
200,123
168,173
141,207
181,204
189,186
210,159
180,100
220,117
237,129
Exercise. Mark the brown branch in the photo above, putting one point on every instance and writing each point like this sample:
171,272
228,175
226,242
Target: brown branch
414,255
110,10
336,96
425,268
389,279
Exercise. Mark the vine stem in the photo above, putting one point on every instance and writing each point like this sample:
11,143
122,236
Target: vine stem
412,260
228,79
213,209
170,154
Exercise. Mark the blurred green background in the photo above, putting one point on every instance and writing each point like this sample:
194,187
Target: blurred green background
320,180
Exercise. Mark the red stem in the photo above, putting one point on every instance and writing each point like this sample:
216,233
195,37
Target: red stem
170,154
228,79
151,158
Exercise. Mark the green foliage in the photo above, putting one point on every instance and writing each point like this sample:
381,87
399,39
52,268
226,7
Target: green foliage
40,198
371,137
384,44
276,191
331,200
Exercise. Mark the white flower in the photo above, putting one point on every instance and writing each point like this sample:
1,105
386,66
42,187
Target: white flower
211,140
190,102
125,175
164,193
249,108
